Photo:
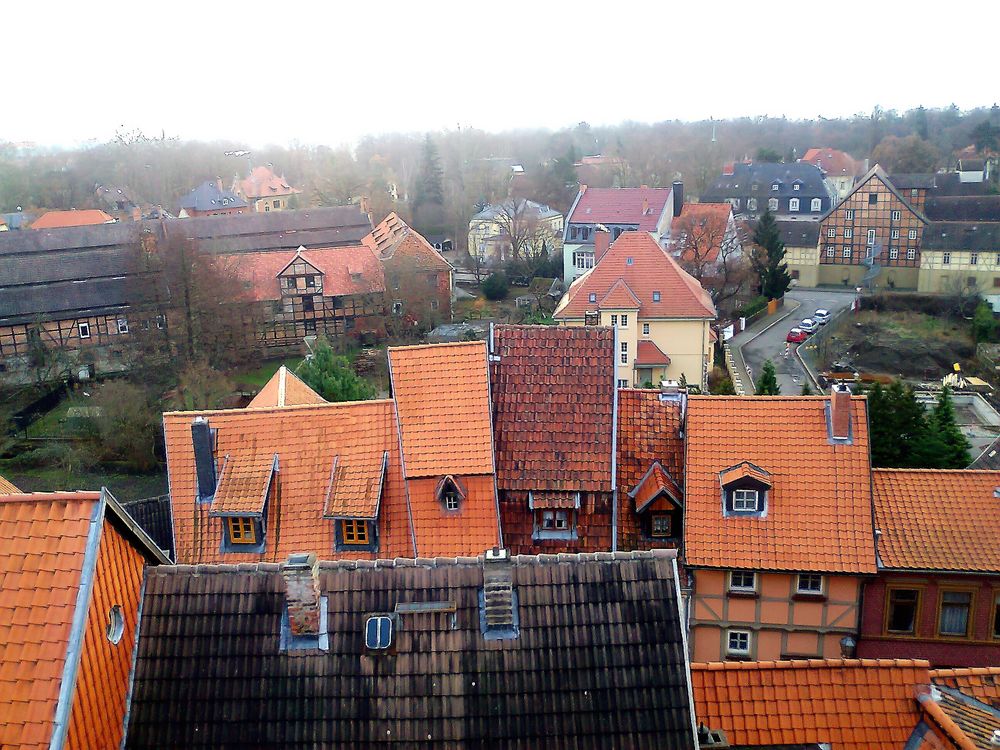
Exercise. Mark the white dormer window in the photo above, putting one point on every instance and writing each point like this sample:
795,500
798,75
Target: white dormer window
796,187
772,204
793,204
816,205
746,501
593,297
774,187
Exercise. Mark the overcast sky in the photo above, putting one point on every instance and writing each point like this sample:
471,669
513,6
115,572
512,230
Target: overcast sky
330,72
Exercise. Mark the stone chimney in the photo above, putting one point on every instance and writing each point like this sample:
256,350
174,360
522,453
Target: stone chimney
204,458
301,574
678,197
840,413
602,241
499,602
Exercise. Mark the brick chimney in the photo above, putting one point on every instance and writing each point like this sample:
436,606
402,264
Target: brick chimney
602,241
728,168
204,458
301,574
678,197
499,615
840,413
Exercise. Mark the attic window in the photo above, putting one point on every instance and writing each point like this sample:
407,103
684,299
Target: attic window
354,531
450,493
593,297
744,489
661,525
378,632
628,261
116,624
242,530
746,501
774,187
656,296
796,186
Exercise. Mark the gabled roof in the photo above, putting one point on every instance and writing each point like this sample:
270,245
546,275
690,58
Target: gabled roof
876,172
982,683
938,519
599,661
961,235
985,208
72,218
442,394
622,206
208,196
527,209
393,238
657,482
243,485
914,181
6,488
651,270
834,163
285,389
818,514
553,407
740,183
648,353
619,298
744,470
799,233
853,704
264,183
355,491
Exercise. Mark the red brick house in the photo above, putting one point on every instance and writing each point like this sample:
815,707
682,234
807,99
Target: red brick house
937,594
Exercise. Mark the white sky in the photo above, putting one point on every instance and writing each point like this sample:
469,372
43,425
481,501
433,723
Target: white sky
329,72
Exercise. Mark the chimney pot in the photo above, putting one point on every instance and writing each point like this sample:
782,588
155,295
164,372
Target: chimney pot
301,574
499,601
204,458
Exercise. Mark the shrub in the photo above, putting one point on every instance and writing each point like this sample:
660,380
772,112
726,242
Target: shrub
496,287
752,307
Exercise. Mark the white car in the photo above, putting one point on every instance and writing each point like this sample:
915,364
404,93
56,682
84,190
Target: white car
821,316
809,325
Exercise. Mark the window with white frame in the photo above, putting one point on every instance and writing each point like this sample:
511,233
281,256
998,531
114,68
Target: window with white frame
946,259
831,232
793,204
614,321
912,234
746,501
796,187
847,251
809,583
84,330
161,322
645,329
850,214
848,233
122,325
555,520
622,383
742,580
831,251
656,296
624,320
593,297
893,254
974,259
817,205
774,187
894,234
871,237
738,643
624,353
583,260
894,215
772,204
911,254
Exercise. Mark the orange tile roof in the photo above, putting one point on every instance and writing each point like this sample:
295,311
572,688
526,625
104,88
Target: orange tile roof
264,183
553,398
655,483
648,353
982,683
706,225
474,526
835,163
285,389
346,270
243,483
355,489
619,298
743,470
819,507
394,238
937,519
854,704
651,269
649,430
442,394
6,488
73,218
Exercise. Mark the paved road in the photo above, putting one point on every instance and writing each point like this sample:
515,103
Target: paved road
771,343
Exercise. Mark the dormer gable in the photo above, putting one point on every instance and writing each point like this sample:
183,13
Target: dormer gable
658,503
745,489
301,274
246,485
450,492
353,500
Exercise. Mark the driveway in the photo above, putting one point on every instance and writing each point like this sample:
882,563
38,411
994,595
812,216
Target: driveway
771,343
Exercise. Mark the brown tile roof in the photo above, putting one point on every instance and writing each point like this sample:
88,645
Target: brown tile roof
394,238
621,206
264,183
243,483
853,704
354,490
968,723
938,520
6,488
353,269
553,404
285,389
72,218
442,393
648,353
819,507
982,683
651,270
655,483
649,430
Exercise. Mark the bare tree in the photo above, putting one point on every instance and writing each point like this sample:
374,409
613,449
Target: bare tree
520,220
709,248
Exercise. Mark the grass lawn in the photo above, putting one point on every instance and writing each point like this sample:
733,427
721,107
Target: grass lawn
256,377
124,487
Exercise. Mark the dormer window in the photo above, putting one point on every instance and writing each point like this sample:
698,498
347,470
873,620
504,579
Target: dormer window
661,526
555,513
796,186
242,530
247,482
745,488
658,504
746,501
450,493
354,532
774,187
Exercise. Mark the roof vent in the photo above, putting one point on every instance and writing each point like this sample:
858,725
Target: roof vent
711,737
498,601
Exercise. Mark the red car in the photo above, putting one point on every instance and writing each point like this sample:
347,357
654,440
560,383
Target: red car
796,336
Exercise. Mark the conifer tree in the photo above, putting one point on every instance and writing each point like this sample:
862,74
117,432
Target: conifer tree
332,378
769,258
767,383
956,446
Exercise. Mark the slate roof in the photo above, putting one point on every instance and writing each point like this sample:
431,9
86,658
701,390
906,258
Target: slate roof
913,181
853,704
599,661
442,393
963,208
553,407
833,162
938,519
651,269
740,183
285,389
622,206
153,515
72,218
208,196
799,233
819,506
954,235
264,183
394,238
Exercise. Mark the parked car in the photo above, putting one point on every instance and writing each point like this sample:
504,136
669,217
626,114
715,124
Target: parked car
821,316
809,325
796,335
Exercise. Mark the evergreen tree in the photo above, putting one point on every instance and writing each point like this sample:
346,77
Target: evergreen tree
769,259
767,383
331,376
430,181
942,421
984,324
806,390
724,388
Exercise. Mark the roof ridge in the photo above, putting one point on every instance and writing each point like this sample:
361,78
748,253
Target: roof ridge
24,497
964,671
279,409
410,347
811,664
977,472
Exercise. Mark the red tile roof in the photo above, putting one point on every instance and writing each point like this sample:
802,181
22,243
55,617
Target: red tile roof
706,225
656,483
619,298
743,470
285,389
648,353
853,704
442,393
73,218
346,270
938,520
819,508
637,259
264,183
833,162
621,206
553,397
982,683
394,238
6,488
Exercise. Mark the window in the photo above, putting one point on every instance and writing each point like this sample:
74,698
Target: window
998,259
774,187
746,501
754,187
307,304
847,251
574,233
354,531
912,234
434,304
911,254
277,203
871,237
555,520
902,611
894,215
310,325
378,633
796,186
397,307
122,325
893,254
946,259
645,329
816,205
661,525
622,383
872,199
735,202
809,583
793,204
614,321
831,232
914,193
751,204
310,280
656,296
84,330
772,204
161,322
996,617
953,616
742,580
450,498
848,233
628,261
593,297
974,259
738,643
624,321
894,234
830,251
115,628
850,214
583,260
242,530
